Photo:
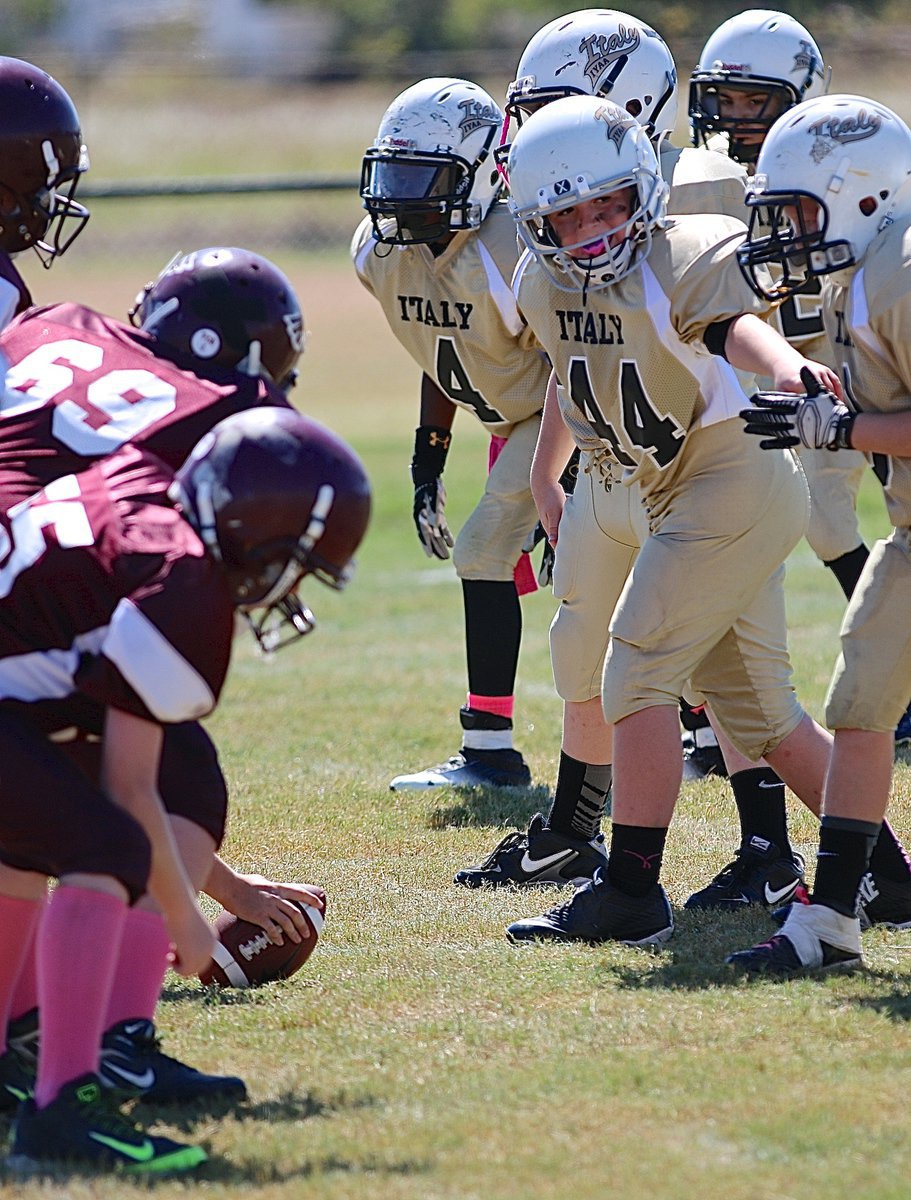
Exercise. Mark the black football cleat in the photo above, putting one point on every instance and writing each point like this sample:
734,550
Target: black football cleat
473,768
470,769
759,875
880,901
599,912
884,902
19,1061
132,1063
702,755
84,1125
903,731
17,1081
539,856
702,762
814,940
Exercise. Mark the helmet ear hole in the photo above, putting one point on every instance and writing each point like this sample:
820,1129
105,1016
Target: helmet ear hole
868,206
9,205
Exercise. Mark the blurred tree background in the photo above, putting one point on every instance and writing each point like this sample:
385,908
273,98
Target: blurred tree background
375,31
385,39
375,34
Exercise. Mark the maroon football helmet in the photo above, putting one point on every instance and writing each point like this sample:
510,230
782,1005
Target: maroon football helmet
41,159
225,307
275,496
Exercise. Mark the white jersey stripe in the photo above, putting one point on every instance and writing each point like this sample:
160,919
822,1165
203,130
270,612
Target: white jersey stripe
718,382
860,316
46,674
501,293
168,685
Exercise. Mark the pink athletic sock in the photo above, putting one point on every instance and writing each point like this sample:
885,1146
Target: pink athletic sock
18,921
78,945
500,706
141,967
25,996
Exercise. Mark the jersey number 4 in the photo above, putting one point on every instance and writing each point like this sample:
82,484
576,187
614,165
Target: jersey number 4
453,380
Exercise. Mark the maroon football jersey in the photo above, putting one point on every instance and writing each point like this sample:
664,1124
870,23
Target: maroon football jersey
107,597
80,385
15,297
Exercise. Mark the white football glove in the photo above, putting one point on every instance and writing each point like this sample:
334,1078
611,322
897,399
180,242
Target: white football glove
817,420
430,519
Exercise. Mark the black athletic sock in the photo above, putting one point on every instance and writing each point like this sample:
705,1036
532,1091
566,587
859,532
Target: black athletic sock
759,796
692,718
634,863
889,858
581,795
848,567
844,855
493,631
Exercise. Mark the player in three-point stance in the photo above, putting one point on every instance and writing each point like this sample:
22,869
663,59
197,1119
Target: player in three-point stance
119,589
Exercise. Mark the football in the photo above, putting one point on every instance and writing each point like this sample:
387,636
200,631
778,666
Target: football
244,956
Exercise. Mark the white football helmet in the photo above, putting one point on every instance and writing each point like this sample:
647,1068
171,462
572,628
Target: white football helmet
757,51
599,52
577,149
825,182
430,170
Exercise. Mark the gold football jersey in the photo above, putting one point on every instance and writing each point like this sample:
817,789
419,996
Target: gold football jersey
631,357
457,317
706,180
868,320
702,181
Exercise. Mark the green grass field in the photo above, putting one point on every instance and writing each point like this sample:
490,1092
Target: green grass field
419,1056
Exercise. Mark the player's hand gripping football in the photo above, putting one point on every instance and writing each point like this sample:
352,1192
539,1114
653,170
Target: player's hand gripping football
817,420
274,907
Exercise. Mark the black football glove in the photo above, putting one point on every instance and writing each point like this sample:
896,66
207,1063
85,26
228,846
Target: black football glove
816,420
431,445
545,575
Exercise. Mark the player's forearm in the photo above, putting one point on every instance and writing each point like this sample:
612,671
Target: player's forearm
753,346
224,884
168,882
555,442
436,407
883,433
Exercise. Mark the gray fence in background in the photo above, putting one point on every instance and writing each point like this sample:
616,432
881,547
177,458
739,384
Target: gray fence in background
280,213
